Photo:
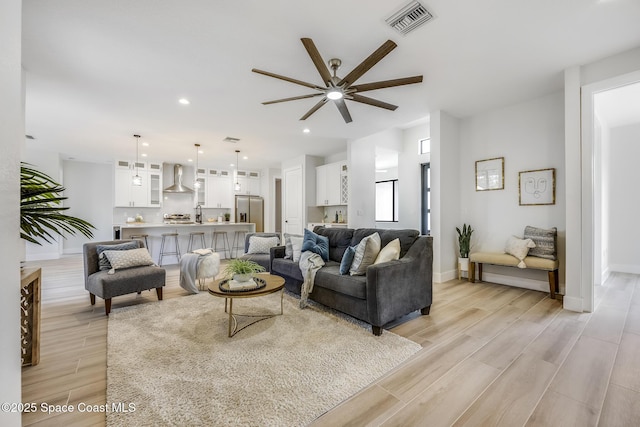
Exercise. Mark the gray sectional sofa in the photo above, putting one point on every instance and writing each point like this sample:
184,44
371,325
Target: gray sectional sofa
388,290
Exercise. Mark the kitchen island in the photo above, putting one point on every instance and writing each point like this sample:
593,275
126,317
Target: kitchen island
155,231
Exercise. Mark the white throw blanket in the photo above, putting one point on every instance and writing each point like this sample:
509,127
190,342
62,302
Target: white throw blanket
200,264
310,263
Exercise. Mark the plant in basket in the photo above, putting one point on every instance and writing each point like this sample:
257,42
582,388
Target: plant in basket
241,270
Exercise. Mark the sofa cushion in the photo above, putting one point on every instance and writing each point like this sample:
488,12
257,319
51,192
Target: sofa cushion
126,259
390,252
545,241
339,240
261,245
347,259
286,267
366,254
288,251
329,277
125,281
103,262
316,243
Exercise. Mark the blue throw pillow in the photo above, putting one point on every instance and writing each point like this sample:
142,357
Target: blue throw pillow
316,244
347,259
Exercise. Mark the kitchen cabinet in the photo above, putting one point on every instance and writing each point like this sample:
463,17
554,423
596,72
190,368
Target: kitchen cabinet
329,182
200,196
249,182
127,194
219,189
149,194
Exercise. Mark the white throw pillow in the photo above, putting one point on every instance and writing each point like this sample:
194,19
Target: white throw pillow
288,250
390,252
261,245
296,247
519,248
366,254
127,259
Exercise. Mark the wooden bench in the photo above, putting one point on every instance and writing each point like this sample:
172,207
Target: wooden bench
502,259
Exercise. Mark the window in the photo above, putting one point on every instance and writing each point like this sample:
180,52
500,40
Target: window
387,201
426,198
424,146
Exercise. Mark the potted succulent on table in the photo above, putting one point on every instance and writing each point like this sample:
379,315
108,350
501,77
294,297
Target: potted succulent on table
464,245
242,270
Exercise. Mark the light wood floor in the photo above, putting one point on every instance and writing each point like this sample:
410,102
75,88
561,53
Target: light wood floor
492,355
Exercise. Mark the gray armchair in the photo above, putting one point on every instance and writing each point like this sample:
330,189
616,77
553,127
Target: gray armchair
261,259
106,286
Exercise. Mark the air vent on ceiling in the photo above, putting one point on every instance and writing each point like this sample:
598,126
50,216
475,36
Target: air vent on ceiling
409,18
231,139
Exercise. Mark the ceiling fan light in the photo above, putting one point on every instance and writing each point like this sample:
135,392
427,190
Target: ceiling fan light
334,94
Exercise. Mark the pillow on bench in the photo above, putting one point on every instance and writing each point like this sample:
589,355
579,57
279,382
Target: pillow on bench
545,241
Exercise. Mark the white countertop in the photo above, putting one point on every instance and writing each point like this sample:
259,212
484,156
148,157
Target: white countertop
160,225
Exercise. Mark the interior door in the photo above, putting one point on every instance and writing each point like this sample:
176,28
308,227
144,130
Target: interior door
292,201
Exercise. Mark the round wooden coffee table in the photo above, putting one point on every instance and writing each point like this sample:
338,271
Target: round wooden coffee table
273,284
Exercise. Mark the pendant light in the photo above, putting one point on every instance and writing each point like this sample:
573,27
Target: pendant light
237,187
196,183
136,179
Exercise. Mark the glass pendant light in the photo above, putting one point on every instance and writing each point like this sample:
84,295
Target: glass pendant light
196,183
237,187
137,179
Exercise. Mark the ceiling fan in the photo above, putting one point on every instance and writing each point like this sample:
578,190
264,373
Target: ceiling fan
338,89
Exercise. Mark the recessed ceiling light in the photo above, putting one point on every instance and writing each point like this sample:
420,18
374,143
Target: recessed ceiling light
145,144
184,101
231,165
144,154
245,158
190,160
200,152
306,130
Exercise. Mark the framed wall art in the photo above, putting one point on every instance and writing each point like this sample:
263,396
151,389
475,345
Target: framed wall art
537,187
490,174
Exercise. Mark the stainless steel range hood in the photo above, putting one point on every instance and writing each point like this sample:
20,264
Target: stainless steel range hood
177,186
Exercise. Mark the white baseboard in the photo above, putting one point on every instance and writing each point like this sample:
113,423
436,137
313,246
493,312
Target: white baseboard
72,251
42,256
572,304
605,275
519,282
625,268
445,277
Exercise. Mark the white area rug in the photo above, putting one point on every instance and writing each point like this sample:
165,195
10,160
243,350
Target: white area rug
174,361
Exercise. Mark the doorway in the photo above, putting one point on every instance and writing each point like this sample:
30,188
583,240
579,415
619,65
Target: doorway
599,171
278,205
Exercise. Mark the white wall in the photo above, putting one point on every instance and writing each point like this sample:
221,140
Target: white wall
89,189
529,136
11,247
445,193
410,176
624,238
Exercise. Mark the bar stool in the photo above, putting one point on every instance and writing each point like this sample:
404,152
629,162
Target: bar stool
195,235
225,243
140,237
238,241
176,251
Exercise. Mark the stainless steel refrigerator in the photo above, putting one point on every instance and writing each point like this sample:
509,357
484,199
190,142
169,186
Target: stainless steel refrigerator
250,209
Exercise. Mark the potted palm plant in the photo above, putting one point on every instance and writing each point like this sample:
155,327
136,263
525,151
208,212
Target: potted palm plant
41,214
242,270
464,246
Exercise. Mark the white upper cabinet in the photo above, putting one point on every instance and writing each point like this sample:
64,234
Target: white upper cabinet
249,182
329,180
126,194
219,189
149,194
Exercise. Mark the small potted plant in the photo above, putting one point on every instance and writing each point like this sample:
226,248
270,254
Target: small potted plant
227,216
464,244
242,270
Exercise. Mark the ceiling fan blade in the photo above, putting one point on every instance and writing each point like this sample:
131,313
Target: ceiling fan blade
342,107
387,83
288,79
371,101
293,98
365,65
317,60
314,108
